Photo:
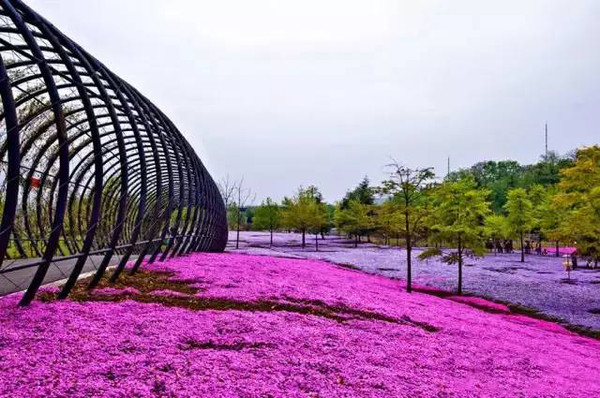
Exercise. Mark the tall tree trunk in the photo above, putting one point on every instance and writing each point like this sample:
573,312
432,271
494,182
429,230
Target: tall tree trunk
557,249
355,240
408,265
522,248
237,239
460,264
271,242
317,241
303,238
408,254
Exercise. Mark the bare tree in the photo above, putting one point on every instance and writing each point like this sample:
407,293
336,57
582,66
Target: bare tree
227,188
243,196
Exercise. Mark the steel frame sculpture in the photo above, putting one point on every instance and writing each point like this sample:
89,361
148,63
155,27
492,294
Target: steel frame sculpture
88,165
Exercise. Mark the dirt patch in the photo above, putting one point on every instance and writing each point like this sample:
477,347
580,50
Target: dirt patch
433,291
503,270
342,265
362,314
147,282
191,344
569,281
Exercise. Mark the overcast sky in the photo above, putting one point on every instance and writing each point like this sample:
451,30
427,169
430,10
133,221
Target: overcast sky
324,92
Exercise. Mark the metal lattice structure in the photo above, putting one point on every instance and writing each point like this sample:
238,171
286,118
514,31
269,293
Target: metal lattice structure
90,169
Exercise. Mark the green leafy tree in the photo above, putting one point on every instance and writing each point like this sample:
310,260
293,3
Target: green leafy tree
458,217
304,212
319,220
234,216
363,193
551,221
546,172
578,202
406,188
388,221
496,228
500,177
356,219
520,215
546,218
267,216
330,218
497,177
538,196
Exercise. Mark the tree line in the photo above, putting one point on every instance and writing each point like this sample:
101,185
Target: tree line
470,212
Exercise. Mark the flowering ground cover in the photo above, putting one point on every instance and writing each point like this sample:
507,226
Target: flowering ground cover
538,284
231,325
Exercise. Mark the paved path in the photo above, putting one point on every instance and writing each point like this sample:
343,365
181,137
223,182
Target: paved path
18,280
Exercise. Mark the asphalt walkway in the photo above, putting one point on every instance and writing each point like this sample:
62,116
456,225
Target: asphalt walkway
18,280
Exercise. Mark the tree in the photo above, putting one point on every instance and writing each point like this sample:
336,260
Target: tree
323,212
538,196
232,216
355,220
546,172
551,220
242,196
406,187
500,177
330,219
496,228
227,188
318,220
520,215
304,212
546,219
387,221
458,218
497,177
363,193
578,201
267,216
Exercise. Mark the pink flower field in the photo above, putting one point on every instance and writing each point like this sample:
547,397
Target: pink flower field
258,326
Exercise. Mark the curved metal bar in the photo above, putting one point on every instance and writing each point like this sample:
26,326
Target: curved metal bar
149,120
53,239
102,169
13,170
144,188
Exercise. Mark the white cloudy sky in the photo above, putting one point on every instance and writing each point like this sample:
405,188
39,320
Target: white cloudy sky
289,93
